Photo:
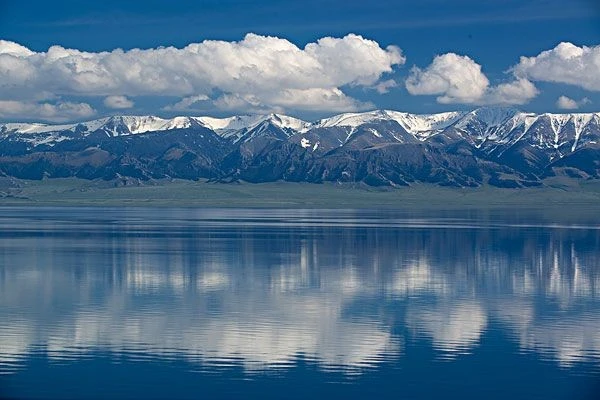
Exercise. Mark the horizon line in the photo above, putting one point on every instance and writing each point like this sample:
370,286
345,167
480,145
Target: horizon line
79,121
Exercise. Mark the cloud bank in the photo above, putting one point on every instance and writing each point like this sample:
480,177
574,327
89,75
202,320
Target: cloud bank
459,79
56,112
267,74
258,72
566,63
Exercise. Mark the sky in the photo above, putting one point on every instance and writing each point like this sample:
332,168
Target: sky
70,60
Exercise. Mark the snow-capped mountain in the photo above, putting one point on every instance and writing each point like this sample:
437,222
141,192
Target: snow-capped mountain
115,125
509,126
501,146
419,125
131,124
226,126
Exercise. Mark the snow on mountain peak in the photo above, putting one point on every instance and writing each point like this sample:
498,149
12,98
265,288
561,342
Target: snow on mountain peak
352,120
485,124
490,116
284,121
422,124
249,122
415,124
30,128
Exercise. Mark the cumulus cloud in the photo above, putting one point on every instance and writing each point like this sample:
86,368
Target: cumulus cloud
118,102
519,91
14,49
332,99
567,103
56,112
566,63
459,79
385,86
314,99
273,71
187,103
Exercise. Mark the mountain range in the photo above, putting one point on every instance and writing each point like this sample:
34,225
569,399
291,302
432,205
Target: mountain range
498,146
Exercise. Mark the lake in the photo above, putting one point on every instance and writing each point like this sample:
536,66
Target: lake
155,303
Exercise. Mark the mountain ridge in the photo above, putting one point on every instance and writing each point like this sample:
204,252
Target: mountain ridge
412,122
487,145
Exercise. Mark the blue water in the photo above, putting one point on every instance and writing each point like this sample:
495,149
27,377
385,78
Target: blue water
260,304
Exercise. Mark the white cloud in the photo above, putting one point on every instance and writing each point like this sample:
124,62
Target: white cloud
240,101
14,49
314,99
118,102
567,103
186,103
455,78
273,71
519,91
331,99
459,79
385,86
566,63
57,112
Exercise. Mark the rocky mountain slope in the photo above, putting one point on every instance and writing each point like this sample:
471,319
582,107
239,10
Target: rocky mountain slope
497,146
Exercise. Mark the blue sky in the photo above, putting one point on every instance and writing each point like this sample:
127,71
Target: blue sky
489,36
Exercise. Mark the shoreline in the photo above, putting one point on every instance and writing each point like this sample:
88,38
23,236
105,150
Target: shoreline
181,193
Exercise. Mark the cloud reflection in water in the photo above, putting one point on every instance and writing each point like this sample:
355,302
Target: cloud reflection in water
346,296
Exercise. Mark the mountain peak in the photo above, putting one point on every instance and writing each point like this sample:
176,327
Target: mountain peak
519,148
353,119
250,122
287,122
415,124
493,116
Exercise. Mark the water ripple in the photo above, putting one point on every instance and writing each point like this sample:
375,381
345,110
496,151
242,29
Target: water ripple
254,294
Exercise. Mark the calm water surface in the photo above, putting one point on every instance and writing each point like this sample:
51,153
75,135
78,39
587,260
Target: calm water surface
187,303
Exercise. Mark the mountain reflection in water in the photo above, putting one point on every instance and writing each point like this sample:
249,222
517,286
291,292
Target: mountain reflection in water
267,290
